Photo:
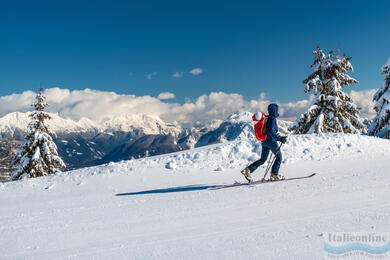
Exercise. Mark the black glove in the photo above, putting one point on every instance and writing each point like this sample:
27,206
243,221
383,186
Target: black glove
283,139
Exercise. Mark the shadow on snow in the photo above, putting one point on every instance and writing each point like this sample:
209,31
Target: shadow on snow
170,190
208,187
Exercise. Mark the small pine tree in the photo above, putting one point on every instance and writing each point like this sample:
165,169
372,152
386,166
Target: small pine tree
37,155
381,124
332,111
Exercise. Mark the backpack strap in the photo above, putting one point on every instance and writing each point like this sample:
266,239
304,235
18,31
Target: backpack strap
264,130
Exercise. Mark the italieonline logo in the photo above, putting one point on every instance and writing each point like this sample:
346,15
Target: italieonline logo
357,245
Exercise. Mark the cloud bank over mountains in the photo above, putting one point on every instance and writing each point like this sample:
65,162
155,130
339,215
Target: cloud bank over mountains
100,105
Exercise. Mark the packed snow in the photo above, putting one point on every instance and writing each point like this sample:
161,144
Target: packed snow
166,207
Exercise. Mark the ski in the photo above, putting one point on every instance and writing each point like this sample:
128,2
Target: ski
260,182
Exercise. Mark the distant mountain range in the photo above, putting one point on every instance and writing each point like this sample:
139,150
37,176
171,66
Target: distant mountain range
85,143
16,122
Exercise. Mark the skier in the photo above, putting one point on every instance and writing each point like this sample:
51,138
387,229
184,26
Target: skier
270,143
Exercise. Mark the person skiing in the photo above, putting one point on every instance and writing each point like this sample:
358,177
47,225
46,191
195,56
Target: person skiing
270,143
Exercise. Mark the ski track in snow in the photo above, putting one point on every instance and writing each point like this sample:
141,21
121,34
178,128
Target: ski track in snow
163,208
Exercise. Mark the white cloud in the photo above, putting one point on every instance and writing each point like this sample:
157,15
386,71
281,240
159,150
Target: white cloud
166,95
177,74
290,111
149,76
93,104
364,100
17,102
196,71
98,105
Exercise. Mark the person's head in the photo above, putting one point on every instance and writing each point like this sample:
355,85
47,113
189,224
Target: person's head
273,110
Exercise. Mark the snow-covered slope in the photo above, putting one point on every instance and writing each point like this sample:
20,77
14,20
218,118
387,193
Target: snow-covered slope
164,207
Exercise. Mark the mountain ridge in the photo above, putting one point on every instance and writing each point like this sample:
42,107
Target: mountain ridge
86,143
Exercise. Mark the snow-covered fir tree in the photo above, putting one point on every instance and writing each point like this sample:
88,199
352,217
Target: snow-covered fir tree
8,149
37,155
381,124
332,110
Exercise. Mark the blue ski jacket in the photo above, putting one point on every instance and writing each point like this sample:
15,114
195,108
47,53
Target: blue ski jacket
271,125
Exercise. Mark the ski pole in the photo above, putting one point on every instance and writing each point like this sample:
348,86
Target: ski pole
269,162
268,165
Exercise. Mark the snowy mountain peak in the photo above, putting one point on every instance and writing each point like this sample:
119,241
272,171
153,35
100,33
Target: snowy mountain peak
236,118
18,121
237,126
144,123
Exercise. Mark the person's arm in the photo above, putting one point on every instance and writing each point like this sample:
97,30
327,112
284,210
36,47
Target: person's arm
272,130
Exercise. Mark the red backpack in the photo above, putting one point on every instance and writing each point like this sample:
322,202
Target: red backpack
260,126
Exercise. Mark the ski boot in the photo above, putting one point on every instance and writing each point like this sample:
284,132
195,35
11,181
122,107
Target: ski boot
277,177
247,174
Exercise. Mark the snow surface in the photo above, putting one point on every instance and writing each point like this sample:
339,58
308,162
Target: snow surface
164,207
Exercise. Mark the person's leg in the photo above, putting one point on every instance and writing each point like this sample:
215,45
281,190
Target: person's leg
275,149
261,161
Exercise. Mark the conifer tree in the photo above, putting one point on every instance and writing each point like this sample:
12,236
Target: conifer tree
8,149
37,155
332,110
381,124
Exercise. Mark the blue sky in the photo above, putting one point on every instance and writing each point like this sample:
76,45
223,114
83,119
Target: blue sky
244,47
